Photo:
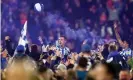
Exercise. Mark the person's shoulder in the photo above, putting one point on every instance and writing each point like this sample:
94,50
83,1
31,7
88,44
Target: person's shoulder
128,49
81,72
67,48
114,54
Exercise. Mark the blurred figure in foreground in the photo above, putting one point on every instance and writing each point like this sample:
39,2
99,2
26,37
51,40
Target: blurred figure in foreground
124,75
131,74
101,71
45,73
71,75
81,68
21,69
116,59
61,72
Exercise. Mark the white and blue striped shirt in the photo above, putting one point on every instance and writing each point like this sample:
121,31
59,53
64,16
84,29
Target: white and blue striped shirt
127,52
63,51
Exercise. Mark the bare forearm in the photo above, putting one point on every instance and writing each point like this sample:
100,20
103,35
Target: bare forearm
118,37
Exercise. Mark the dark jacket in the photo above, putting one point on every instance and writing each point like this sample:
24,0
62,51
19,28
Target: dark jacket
8,46
105,53
117,61
35,56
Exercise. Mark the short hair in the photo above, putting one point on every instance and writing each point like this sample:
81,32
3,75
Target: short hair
125,70
34,48
109,66
113,48
42,69
71,75
70,66
63,37
127,40
106,45
82,62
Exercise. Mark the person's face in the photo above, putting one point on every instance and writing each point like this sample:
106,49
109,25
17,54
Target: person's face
125,44
124,75
103,17
62,41
7,38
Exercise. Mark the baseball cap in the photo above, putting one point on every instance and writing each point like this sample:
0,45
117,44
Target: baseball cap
85,48
20,48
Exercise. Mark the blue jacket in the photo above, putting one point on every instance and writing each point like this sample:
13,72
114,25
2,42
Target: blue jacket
116,58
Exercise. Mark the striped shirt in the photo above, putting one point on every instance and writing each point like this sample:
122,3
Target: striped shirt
63,51
127,52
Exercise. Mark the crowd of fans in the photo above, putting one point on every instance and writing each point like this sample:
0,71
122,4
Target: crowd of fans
29,63
76,19
90,30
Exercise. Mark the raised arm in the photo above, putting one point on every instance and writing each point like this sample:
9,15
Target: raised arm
117,35
8,45
43,47
40,39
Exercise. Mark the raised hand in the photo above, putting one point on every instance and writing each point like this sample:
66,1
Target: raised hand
72,61
44,48
40,39
57,52
75,56
41,57
117,35
115,25
53,48
7,38
80,54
